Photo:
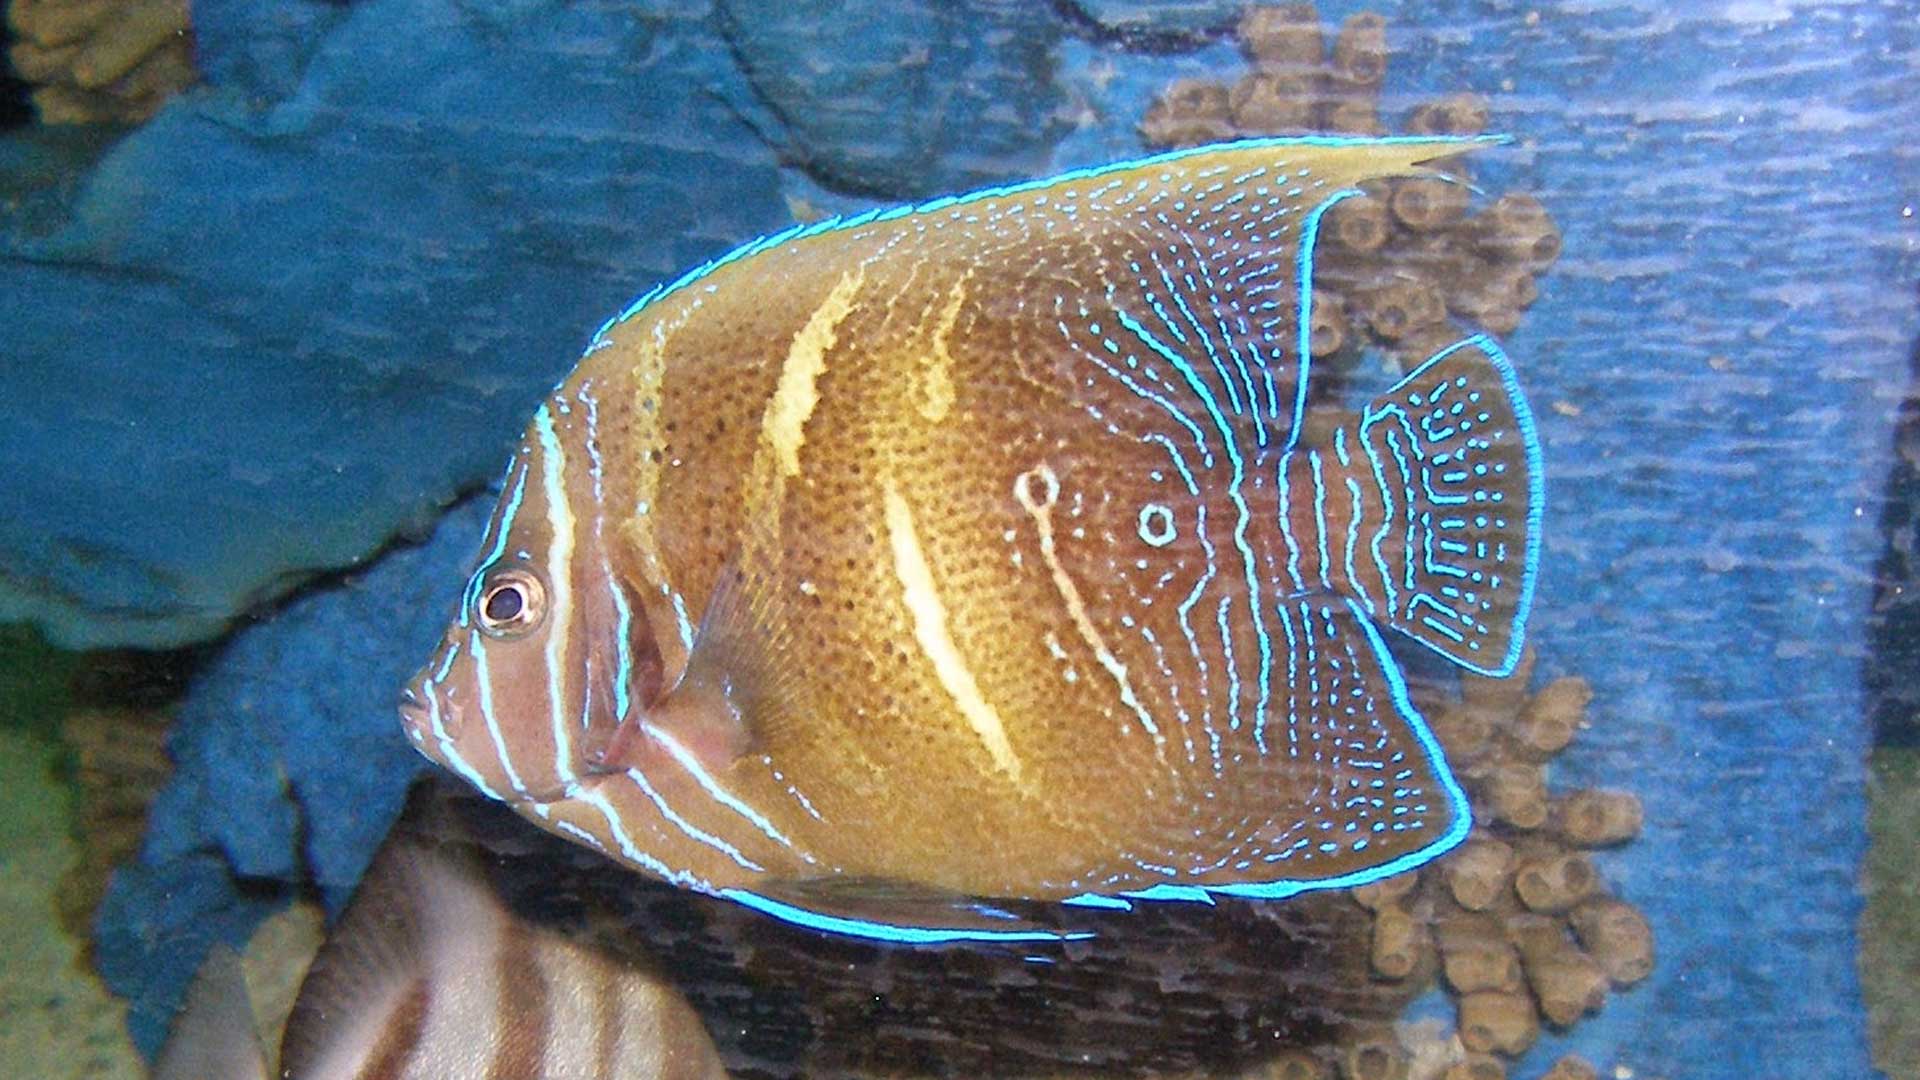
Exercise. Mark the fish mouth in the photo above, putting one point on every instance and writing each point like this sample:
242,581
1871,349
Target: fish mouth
415,715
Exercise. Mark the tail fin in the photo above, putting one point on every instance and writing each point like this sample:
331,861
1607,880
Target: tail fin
1454,449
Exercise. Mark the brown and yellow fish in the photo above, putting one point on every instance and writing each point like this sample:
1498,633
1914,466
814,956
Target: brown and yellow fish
967,550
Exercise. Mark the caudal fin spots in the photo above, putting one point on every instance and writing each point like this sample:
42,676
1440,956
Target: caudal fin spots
1456,459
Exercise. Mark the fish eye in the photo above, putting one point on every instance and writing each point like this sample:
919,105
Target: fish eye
512,602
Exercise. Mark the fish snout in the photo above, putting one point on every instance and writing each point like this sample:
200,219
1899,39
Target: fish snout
414,711
425,713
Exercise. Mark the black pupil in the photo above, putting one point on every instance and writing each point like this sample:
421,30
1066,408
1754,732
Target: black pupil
505,603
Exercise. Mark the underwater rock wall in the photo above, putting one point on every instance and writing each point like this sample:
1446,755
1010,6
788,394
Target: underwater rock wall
938,96
357,286
288,769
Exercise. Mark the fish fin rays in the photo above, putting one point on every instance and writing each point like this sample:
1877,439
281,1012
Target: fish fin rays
420,899
1379,796
1454,450
738,685
1386,799
1206,319
213,1036
894,912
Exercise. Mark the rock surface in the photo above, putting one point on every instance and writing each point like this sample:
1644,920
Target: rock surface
303,308
938,96
289,767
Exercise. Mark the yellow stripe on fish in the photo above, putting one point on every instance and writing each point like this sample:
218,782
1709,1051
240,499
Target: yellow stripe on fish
969,550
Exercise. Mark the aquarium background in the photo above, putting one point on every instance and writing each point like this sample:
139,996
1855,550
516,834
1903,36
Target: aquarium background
262,354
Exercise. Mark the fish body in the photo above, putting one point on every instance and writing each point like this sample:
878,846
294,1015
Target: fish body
429,976
970,550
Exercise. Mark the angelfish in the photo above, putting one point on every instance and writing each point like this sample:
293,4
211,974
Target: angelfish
969,550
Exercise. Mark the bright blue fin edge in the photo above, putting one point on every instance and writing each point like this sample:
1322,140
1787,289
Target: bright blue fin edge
899,935
1536,497
1462,816
805,229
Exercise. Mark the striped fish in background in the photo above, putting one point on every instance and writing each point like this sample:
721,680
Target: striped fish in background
428,976
969,550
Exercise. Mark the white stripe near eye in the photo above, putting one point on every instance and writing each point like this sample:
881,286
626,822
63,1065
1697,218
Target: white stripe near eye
483,677
450,754
560,587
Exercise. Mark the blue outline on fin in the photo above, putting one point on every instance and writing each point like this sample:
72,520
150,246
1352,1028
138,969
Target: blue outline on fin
1456,801
1443,772
801,231
1095,900
877,931
1165,891
1536,496
1303,314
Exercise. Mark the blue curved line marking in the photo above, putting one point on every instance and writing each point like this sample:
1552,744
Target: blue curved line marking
834,224
717,793
1536,501
879,931
1462,813
694,832
1235,484
622,648
1303,270
553,463
504,525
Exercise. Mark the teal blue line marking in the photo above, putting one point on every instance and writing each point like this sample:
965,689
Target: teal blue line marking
622,647
484,678
505,525
878,931
1235,485
692,831
1303,269
834,224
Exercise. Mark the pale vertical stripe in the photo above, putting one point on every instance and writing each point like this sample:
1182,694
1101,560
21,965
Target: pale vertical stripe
559,588
784,425
938,381
463,930
642,1049
573,1013
922,598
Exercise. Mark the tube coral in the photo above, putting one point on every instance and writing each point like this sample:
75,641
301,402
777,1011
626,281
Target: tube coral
102,61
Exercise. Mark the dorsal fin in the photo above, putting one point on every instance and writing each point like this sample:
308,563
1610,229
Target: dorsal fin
213,1036
1200,312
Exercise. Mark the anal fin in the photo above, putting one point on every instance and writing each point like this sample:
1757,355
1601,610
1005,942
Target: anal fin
894,912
